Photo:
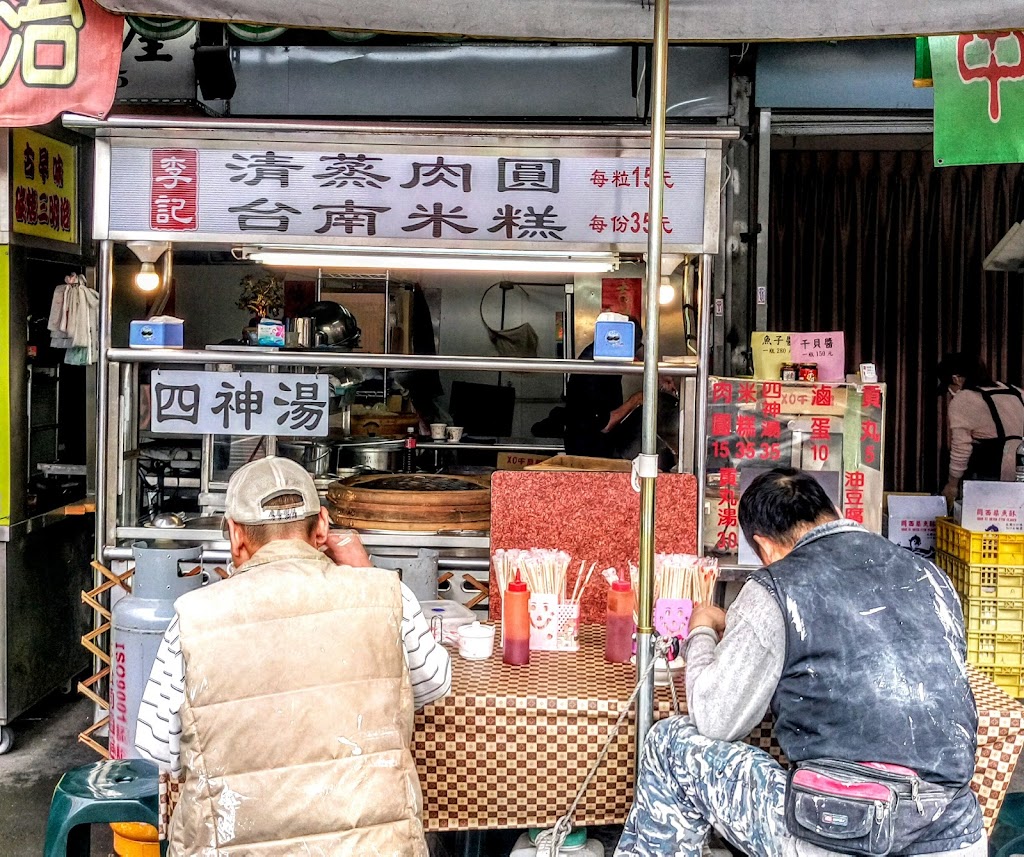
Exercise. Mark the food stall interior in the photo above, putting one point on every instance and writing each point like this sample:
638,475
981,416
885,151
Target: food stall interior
508,418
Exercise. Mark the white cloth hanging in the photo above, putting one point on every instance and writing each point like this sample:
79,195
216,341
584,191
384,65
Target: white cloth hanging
74,320
57,321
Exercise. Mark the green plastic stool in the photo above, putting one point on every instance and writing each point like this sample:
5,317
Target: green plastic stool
114,790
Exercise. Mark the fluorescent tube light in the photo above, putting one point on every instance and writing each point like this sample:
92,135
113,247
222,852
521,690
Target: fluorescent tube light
432,260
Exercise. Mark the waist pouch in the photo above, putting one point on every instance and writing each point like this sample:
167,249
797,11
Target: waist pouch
859,808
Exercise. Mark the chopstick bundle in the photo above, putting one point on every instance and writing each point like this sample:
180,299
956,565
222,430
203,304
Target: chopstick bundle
581,583
546,571
681,576
505,564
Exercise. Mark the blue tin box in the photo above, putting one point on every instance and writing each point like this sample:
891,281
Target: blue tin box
614,340
162,331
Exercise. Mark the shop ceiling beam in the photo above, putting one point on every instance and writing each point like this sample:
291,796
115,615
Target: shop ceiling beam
354,360
230,129
908,123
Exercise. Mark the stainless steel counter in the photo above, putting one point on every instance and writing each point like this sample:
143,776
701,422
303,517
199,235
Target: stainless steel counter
466,556
215,541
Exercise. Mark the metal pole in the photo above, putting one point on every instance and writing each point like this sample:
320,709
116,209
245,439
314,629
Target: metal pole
703,370
649,444
105,285
764,168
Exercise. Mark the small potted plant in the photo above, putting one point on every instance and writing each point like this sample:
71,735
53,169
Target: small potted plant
263,297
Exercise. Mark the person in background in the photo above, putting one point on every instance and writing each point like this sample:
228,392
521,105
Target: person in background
986,421
283,697
857,647
595,408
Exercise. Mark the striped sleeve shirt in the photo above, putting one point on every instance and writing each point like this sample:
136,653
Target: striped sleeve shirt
158,733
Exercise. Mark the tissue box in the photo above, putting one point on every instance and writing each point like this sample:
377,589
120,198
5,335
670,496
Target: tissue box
614,340
162,331
270,332
994,507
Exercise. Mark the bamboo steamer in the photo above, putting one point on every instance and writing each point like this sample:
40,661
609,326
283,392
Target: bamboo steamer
416,501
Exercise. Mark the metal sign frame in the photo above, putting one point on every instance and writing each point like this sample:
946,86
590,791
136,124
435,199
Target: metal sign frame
284,138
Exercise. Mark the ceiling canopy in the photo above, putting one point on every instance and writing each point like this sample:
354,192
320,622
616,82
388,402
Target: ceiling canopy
606,20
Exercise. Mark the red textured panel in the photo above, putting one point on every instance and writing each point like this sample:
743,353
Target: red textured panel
593,516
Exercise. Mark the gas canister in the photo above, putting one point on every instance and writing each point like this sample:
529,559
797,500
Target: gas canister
137,625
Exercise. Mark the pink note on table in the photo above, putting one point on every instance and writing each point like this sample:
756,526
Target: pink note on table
828,350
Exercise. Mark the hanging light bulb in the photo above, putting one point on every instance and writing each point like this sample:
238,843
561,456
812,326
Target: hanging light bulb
666,294
147,252
147,279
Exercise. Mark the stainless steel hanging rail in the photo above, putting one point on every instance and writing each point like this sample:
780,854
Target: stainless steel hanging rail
393,361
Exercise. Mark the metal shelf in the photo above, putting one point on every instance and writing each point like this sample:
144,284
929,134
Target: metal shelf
500,446
244,357
215,541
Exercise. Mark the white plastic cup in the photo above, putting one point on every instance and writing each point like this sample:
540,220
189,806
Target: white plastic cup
454,434
476,641
437,431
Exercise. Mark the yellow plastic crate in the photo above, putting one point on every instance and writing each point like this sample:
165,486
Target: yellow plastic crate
1009,679
992,616
996,650
979,548
1005,583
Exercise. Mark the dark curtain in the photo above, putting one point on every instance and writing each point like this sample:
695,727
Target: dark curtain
889,249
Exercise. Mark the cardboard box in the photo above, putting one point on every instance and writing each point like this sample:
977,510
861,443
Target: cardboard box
582,462
912,522
519,460
993,507
161,331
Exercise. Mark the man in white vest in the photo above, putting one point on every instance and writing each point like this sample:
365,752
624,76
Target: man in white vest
283,697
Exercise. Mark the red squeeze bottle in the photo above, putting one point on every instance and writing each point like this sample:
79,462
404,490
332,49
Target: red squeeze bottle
515,628
618,644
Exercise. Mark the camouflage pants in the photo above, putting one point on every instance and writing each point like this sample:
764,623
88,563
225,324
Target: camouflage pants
688,783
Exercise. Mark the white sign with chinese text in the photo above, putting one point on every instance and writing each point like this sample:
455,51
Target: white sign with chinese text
251,403
425,198
993,507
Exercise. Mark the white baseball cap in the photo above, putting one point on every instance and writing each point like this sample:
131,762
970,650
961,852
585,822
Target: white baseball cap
258,482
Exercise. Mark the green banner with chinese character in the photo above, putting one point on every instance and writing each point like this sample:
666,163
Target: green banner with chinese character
979,98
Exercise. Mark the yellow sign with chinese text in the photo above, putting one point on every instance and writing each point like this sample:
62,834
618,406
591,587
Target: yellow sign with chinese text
770,350
44,194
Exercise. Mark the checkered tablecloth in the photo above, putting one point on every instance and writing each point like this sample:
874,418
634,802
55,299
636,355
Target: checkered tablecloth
510,746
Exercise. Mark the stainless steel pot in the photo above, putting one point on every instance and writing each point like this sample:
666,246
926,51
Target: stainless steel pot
313,455
368,453
318,458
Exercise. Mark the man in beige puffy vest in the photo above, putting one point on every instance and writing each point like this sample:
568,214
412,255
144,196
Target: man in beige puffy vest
283,697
